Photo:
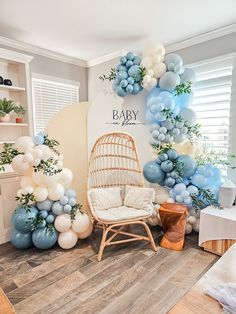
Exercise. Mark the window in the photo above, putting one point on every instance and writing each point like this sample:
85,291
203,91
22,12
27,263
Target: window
49,97
212,94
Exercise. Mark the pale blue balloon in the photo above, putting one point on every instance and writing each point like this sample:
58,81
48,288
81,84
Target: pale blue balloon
172,60
57,208
38,140
123,60
43,238
129,88
189,165
45,205
23,218
121,68
169,81
199,180
67,208
50,219
136,88
169,182
72,201
149,117
130,56
179,198
21,240
179,188
172,154
134,71
188,76
137,60
123,83
64,200
193,190
152,172
70,193
43,214
167,166
153,93
183,100
121,75
129,64
185,194
120,91
130,80
42,224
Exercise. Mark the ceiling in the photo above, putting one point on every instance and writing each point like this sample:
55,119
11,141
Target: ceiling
89,29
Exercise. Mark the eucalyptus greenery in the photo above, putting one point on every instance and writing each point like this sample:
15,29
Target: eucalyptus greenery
48,167
51,144
208,154
26,201
183,88
178,167
75,208
203,199
7,155
110,77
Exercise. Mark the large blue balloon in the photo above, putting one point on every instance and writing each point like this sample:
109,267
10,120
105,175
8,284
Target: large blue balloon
21,240
150,117
45,205
43,238
183,100
152,172
188,76
23,218
189,165
169,81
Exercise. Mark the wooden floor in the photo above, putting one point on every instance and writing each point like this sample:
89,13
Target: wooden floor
131,278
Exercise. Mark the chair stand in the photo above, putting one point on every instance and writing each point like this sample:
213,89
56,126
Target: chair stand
132,237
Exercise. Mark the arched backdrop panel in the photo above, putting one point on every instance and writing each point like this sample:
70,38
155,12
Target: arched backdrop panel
69,127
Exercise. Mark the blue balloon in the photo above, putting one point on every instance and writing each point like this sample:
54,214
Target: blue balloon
149,117
167,166
136,88
189,165
199,180
121,75
192,190
38,140
57,208
50,219
179,188
23,218
121,68
120,91
188,76
43,214
123,60
129,64
72,201
169,182
172,60
172,154
130,56
45,205
21,240
183,101
152,172
42,224
123,83
64,200
129,89
153,93
67,208
70,193
134,71
43,238
130,80
169,81
137,60
163,157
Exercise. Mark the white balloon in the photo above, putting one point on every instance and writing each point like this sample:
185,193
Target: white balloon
56,191
35,162
24,144
146,62
19,165
81,222
65,177
68,239
20,192
189,116
37,153
162,195
40,193
28,190
59,164
27,181
170,200
194,213
150,72
28,157
159,69
62,222
192,220
188,228
146,78
46,152
153,82
196,225
45,180
86,233
156,58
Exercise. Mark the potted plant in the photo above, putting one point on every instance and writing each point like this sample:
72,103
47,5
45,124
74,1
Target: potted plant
6,106
20,111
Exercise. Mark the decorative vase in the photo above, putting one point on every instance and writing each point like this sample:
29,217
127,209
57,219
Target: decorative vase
226,196
19,120
5,118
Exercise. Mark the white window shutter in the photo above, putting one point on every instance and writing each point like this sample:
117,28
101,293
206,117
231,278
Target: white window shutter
48,98
212,94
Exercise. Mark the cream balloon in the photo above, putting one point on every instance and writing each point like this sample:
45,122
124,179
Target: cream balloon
37,153
24,144
56,191
159,69
20,192
81,222
40,193
28,157
27,181
86,233
170,200
46,152
188,228
28,190
194,213
146,62
192,220
19,165
62,223
162,195
45,180
67,239
196,225
65,177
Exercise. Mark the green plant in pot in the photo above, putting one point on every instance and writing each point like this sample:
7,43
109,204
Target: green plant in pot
20,111
6,107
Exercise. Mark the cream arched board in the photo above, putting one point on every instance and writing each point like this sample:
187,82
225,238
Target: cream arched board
69,127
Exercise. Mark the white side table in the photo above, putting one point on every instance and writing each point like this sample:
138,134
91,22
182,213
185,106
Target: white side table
217,230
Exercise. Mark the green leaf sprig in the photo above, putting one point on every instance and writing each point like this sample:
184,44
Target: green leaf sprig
110,77
7,155
26,201
183,88
75,208
206,199
48,167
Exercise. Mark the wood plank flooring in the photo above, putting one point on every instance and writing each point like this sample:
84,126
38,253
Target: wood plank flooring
131,278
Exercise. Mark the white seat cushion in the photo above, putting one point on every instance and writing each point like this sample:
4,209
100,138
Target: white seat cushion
122,213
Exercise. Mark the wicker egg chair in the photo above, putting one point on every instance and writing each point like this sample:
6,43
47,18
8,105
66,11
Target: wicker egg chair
114,163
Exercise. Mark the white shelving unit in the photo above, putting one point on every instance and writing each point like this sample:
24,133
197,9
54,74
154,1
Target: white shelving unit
13,88
11,124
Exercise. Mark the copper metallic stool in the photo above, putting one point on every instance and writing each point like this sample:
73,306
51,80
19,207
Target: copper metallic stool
173,219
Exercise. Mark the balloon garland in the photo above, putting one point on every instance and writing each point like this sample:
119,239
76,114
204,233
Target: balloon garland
183,173
48,211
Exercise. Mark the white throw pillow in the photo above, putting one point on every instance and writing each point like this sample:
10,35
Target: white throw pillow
105,198
140,198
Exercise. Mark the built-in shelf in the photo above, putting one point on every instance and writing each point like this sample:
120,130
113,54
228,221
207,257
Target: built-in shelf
13,88
13,124
7,142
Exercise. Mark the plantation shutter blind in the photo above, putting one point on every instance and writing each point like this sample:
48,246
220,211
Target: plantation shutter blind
212,94
48,98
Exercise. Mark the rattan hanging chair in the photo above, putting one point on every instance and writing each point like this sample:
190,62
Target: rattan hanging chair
114,163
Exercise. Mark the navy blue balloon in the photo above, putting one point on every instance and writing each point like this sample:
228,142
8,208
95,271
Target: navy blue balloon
21,240
43,238
22,218
152,172
189,165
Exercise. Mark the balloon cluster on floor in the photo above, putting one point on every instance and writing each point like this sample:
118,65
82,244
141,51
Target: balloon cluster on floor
48,211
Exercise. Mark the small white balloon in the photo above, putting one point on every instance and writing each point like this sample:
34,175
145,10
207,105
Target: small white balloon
86,233
37,153
28,190
146,79
40,193
28,157
62,222
153,221
196,225
46,152
192,220
65,177
159,69
20,192
188,228
56,191
81,222
146,62
24,144
19,165
170,200
67,239
45,180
